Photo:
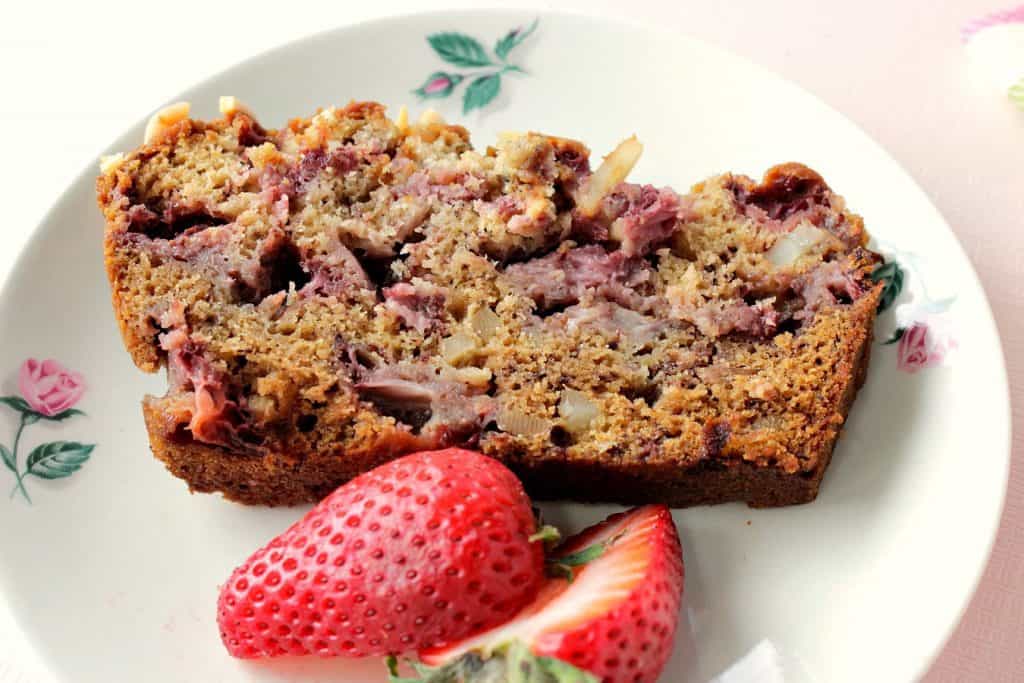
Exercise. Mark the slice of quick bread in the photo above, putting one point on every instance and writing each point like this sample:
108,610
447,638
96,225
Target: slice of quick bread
348,288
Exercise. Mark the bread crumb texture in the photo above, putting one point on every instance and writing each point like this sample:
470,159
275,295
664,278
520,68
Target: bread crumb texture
333,294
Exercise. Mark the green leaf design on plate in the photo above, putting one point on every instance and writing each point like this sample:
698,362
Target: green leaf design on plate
63,415
459,49
18,403
32,416
57,459
512,39
1016,93
438,85
8,458
892,276
480,92
896,336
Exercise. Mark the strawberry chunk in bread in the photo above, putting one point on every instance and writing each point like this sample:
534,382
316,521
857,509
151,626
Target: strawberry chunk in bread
347,289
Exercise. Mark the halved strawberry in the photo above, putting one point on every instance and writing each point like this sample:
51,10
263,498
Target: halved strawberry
421,551
611,618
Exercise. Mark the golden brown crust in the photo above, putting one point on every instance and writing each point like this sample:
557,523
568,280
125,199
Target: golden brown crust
273,479
266,478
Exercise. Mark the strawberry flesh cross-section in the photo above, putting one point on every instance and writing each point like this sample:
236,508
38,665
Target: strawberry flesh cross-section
609,614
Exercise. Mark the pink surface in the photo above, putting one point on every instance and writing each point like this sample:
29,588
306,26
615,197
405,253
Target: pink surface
1006,16
896,69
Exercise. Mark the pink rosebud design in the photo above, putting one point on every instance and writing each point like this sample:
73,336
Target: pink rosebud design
922,346
438,84
49,387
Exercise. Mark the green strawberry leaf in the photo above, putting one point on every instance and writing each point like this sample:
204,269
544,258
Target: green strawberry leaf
891,275
896,336
465,669
512,663
512,39
588,554
459,49
522,666
555,570
57,459
480,92
391,662
591,552
561,567
8,458
18,403
563,672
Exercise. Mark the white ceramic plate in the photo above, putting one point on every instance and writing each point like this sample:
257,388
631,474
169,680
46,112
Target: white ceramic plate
113,571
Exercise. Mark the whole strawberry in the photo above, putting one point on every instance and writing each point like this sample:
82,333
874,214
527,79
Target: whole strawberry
421,551
608,613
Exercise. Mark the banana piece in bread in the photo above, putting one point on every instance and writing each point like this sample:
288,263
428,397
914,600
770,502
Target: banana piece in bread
343,290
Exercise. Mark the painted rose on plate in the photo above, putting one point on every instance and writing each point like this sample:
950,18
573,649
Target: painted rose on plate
48,387
923,346
924,332
49,391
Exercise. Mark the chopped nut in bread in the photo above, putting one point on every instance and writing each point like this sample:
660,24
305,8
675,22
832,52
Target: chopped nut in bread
162,121
347,289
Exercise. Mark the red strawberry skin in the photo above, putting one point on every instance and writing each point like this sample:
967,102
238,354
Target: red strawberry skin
421,551
617,618
633,642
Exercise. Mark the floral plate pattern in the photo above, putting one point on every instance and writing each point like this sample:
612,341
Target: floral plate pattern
924,333
49,391
462,50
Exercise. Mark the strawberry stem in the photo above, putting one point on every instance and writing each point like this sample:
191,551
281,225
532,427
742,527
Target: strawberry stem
547,534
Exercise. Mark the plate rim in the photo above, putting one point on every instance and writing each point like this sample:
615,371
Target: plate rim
33,240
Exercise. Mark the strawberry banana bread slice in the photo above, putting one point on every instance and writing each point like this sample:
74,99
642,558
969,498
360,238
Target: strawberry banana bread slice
346,289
